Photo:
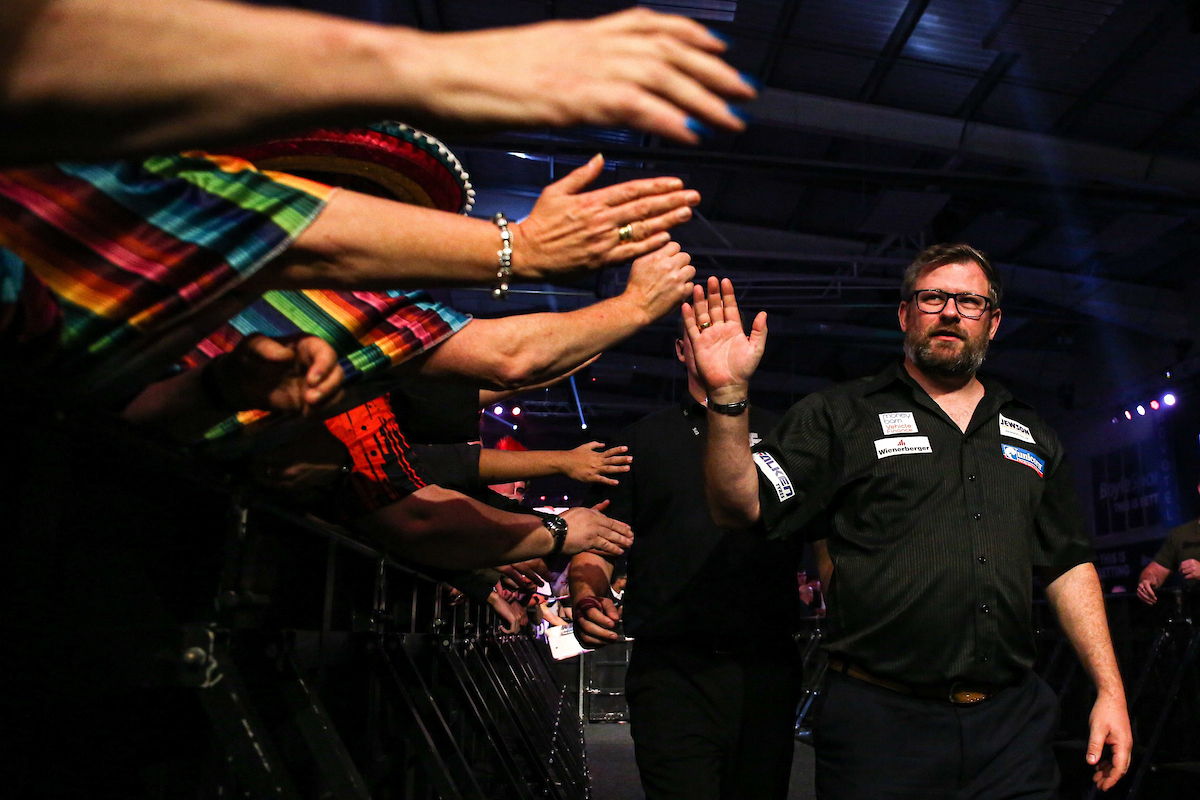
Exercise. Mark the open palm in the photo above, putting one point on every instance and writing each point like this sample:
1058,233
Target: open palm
725,356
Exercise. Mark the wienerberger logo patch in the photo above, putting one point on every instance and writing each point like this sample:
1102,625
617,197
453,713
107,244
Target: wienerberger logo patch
902,445
1023,456
774,473
1015,430
898,422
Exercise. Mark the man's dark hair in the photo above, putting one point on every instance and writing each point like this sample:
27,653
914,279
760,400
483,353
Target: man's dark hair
941,254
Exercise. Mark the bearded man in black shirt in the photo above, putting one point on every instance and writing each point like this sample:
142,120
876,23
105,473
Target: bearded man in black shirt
714,676
940,495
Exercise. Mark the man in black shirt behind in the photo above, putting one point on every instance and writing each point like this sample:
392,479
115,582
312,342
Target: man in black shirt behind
940,495
714,677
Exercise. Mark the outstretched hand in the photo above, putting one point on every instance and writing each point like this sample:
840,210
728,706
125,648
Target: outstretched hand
725,356
591,463
660,73
589,529
570,229
660,281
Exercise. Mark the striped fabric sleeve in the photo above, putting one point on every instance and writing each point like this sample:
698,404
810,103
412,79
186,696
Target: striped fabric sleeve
126,247
371,331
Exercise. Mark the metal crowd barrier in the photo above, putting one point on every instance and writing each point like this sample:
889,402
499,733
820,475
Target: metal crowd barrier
336,671
166,636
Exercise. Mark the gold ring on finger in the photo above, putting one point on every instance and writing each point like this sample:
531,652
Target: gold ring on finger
704,325
625,232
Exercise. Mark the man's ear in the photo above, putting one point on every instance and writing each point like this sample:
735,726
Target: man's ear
902,313
679,350
994,324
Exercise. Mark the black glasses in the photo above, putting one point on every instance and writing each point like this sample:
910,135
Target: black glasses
932,301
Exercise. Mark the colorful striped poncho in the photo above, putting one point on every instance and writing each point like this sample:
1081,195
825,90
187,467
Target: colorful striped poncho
126,247
119,249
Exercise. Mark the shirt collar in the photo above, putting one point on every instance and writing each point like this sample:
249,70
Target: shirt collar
995,396
896,373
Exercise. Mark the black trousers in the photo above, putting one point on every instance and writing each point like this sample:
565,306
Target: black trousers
712,726
877,744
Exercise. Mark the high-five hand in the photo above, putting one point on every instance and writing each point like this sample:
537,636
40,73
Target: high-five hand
725,356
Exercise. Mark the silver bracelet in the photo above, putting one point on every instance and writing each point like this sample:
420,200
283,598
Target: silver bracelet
505,255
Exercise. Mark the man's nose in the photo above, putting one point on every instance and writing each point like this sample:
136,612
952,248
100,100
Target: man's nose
950,310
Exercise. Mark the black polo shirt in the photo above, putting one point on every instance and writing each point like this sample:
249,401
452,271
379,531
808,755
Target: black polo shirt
934,533
687,575
1183,542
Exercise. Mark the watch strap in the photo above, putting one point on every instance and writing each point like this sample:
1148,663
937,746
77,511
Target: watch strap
558,528
729,409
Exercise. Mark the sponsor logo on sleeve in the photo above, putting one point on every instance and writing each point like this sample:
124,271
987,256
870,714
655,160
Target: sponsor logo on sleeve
774,473
1015,430
902,445
898,422
1023,456
754,438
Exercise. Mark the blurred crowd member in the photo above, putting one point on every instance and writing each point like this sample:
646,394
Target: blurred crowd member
944,495
713,680
812,601
1180,552
136,77
616,589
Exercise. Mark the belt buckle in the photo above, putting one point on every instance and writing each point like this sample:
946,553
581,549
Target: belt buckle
962,696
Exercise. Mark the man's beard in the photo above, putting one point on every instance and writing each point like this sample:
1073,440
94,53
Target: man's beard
940,361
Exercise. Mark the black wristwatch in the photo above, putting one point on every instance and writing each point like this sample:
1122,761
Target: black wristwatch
558,528
729,409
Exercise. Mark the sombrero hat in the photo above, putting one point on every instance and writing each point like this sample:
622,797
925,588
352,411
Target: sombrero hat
387,159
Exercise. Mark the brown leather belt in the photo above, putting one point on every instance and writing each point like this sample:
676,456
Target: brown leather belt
958,692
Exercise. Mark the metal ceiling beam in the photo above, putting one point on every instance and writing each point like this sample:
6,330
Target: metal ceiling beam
787,16
983,88
1162,313
834,174
1185,110
1138,49
1049,154
909,19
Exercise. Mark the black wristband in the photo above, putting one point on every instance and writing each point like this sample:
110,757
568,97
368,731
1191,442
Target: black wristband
729,409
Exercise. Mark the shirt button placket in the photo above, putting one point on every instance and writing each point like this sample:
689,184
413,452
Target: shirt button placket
974,506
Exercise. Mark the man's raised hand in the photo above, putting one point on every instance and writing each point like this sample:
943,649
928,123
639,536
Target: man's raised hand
725,356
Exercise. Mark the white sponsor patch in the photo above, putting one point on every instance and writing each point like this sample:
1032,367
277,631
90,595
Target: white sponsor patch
754,438
902,445
1015,430
770,468
898,422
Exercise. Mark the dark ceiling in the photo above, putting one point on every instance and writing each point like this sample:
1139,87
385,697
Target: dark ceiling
1060,136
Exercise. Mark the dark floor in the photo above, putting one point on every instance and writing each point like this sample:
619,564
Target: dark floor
614,774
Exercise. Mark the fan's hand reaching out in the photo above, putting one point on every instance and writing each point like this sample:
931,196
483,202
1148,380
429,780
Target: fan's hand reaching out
725,356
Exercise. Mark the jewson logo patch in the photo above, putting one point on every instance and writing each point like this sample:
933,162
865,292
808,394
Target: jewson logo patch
1015,430
902,445
771,470
1023,456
